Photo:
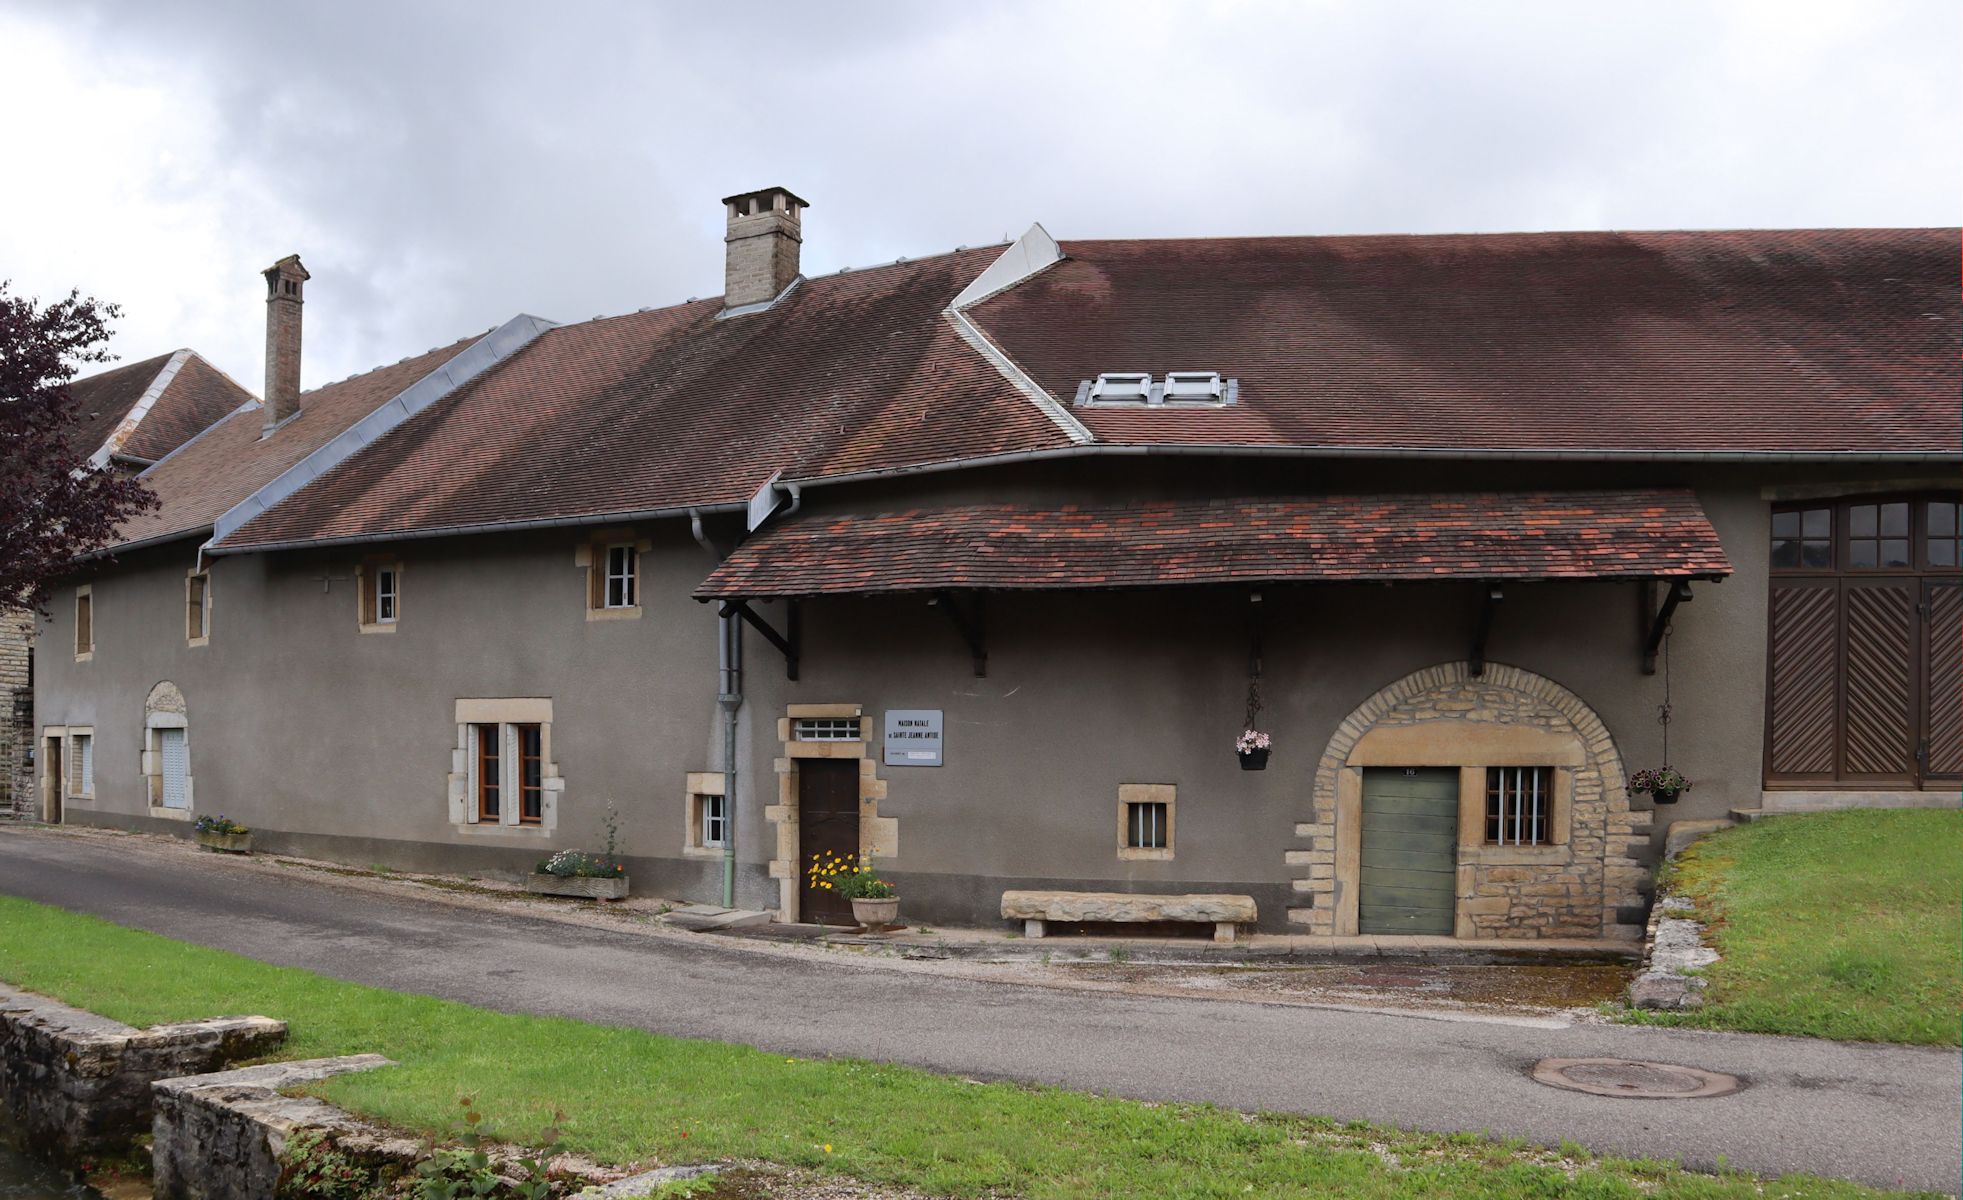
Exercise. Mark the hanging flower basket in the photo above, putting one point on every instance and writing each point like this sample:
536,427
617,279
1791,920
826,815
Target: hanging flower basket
1664,784
1253,748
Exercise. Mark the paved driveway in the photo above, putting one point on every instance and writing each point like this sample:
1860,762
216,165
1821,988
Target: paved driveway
1887,1116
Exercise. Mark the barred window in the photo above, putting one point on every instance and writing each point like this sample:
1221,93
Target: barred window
1519,801
1146,825
826,729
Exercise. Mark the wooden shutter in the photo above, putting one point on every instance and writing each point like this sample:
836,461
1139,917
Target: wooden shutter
1804,680
1943,679
1879,621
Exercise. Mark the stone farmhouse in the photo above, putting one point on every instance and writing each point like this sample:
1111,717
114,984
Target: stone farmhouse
129,417
982,563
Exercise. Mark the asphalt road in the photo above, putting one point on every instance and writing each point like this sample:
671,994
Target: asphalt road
1882,1115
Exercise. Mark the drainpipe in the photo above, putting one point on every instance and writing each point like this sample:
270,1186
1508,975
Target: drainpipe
729,698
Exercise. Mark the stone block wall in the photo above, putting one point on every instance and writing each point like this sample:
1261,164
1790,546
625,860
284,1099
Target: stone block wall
76,1085
1577,890
18,791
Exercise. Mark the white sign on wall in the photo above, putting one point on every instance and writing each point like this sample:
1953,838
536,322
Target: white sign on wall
913,737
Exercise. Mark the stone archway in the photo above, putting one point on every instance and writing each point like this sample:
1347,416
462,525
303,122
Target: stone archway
1577,886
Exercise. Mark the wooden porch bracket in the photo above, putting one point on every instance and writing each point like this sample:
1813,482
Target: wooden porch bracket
790,643
1679,593
972,629
1484,629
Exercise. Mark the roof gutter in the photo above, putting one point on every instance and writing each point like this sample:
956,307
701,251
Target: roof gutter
1232,450
417,535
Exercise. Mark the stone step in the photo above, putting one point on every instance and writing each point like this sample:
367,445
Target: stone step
1745,816
707,918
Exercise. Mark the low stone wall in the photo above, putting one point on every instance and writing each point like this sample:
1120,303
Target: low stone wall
221,1136
1675,948
75,1085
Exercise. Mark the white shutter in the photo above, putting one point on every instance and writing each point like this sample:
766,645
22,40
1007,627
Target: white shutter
177,767
88,765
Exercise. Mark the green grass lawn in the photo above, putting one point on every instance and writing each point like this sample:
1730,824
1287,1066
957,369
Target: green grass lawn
1838,925
629,1095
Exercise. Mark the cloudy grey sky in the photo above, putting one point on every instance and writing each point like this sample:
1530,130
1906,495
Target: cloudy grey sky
441,166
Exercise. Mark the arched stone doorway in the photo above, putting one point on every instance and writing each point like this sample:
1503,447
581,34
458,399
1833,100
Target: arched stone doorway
1573,880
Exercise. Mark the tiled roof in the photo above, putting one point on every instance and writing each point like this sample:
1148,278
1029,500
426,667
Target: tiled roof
673,407
229,461
195,396
1481,535
1793,340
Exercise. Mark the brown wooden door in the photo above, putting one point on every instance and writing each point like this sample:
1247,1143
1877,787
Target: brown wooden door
1878,666
1942,676
55,782
1803,724
827,824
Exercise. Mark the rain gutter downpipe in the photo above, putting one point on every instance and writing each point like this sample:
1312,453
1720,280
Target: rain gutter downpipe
729,698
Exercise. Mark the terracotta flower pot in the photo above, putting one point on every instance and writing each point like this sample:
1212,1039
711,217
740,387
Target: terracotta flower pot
876,914
1254,760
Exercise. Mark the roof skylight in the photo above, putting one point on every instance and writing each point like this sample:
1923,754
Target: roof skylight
1179,389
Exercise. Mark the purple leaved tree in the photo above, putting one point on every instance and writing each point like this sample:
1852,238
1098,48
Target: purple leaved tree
53,505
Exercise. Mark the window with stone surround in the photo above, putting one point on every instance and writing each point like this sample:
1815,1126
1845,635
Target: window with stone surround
706,815
81,762
197,608
612,560
84,623
379,597
1519,806
826,729
502,777
1145,821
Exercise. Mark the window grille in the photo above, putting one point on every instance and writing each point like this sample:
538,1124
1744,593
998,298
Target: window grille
621,583
715,830
826,729
1519,801
1145,825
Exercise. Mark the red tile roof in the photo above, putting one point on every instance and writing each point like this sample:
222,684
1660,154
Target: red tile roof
197,396
229,461
1481,535
674,407
1787,340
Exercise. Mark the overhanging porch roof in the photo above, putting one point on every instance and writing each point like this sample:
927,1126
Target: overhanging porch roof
1625,534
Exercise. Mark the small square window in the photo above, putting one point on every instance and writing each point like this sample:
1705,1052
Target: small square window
1802,539
1519,806
1145,821
380,596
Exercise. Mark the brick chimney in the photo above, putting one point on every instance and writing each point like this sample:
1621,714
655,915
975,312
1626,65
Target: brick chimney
761,247
285,280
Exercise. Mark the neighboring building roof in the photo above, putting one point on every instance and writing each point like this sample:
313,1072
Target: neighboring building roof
674,408
1744,341
141,411
1633,534
199,481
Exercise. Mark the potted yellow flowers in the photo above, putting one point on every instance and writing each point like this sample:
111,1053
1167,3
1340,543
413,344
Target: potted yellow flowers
875,902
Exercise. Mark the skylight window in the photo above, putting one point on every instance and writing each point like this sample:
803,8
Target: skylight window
1122,387
1179,389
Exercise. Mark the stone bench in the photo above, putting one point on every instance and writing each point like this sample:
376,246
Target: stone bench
1035,909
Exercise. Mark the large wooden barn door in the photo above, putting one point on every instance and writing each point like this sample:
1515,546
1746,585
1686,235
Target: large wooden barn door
1804,721
1878,665
1942,686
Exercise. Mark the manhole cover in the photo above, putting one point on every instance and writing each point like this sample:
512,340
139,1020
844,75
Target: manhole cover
1633,1080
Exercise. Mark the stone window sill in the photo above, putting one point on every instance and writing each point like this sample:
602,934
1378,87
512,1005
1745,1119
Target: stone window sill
378,627
614,614
702,852
492,829
1143,854
1504,856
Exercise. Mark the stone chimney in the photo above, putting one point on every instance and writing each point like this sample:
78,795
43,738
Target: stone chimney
285,280
761,247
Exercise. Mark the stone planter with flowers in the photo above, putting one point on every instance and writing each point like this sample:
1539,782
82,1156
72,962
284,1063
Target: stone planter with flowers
576,873
222,834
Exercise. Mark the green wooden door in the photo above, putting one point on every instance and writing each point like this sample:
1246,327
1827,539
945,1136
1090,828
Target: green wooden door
1410,850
